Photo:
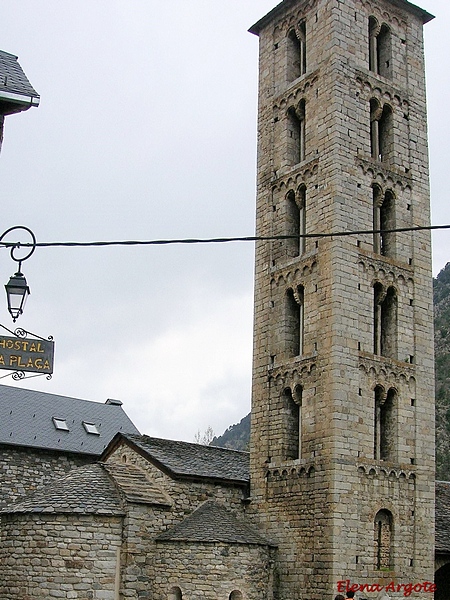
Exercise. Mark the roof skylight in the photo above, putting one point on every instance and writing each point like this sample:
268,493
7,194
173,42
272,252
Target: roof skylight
91,428
60,424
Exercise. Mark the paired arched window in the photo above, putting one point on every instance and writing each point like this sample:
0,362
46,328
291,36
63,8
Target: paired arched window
296,52
380,50
294,321
385,321
383,540
296,221
381,131
292,409
383,222
296,133
385,424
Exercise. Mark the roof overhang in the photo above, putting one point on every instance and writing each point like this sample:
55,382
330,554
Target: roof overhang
403,4
11,102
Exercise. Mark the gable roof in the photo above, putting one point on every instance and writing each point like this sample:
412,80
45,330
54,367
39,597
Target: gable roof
16,92
213,523
187,460
26,419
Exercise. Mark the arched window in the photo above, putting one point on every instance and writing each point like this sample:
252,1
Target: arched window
296,133
296,52
383,540
292,409
383,222
385,321
381,136
175,594
294,324
380,50
296,221
235,595
385,434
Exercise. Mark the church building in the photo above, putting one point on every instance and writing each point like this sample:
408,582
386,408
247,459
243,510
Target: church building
338,490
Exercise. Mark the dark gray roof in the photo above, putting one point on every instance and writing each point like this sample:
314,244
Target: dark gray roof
214,523
442,540
16,92
279,8
186,460
26,419
85,490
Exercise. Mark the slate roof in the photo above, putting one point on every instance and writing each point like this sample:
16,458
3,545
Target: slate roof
193,461
212,522
84,490
26,420
442,540
16,92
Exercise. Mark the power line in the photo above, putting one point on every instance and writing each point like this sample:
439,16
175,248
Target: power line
219,240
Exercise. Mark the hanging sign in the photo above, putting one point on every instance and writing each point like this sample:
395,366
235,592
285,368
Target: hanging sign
27,354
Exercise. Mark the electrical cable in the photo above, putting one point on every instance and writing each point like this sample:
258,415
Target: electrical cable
220,239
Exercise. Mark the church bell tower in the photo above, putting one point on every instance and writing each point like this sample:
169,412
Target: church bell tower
342,447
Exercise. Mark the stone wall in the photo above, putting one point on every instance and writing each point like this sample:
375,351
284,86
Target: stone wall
22,470
60,556
212,571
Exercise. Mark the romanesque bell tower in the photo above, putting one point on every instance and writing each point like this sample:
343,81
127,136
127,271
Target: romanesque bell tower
342,450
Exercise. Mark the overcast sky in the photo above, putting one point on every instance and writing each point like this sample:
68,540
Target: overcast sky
147,130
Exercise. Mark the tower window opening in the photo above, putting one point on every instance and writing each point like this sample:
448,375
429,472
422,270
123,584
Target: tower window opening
292,410
296,221
383,538
380,48
385,321
381,134
296,52
383,222
295,321
296,133
384,424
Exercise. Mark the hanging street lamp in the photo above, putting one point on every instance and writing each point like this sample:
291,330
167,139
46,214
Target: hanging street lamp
17,290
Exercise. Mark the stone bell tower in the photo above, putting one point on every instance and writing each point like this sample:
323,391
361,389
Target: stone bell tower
342,449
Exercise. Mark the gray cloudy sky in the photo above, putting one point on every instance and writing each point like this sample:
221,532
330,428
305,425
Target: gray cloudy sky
147,130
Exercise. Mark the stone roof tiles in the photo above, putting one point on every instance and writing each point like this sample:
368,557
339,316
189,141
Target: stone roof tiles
135,485
16,92
26,419
212,522
188,460
84,490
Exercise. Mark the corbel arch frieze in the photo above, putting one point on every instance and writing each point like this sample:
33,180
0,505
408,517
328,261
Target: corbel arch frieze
292,21
391,18
376,471
306,176
388,275
303,374
294,277
371,88
384,177
387,374
296,94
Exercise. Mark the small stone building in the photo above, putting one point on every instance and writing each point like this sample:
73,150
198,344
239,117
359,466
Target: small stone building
157,519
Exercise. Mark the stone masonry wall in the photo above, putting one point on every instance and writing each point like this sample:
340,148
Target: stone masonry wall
60,556
212,571
23,470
